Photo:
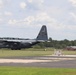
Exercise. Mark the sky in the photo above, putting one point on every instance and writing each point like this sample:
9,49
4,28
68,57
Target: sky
24,18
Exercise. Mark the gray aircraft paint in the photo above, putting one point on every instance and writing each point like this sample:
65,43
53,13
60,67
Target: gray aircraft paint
15,43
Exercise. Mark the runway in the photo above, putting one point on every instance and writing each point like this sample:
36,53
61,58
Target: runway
40,61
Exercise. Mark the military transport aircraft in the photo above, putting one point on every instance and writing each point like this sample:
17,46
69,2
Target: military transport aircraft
18,43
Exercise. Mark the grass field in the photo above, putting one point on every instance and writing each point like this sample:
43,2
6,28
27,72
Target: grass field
31,52
33,71
36,71
26,52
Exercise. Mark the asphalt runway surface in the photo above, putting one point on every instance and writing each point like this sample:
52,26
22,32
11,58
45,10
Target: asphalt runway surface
40,61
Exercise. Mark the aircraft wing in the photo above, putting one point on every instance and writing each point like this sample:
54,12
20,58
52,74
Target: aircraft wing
10,42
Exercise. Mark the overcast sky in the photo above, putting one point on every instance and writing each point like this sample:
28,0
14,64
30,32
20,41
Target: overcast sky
24,18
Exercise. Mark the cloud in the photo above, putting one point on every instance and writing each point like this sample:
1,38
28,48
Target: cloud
36,1
39,18
12,21
1,3
7,13
73,15
1,19
29,20
8,0
42,18
23,5
36,4
73,2
30,1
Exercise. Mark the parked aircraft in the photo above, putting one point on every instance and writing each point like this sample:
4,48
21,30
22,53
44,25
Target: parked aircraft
18,43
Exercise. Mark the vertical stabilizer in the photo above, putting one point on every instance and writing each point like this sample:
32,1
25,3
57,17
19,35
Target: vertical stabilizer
43,34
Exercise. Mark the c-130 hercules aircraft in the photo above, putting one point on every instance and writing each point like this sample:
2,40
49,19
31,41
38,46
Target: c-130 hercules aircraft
18,44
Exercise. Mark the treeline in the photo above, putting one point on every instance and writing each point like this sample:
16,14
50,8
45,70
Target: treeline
56,44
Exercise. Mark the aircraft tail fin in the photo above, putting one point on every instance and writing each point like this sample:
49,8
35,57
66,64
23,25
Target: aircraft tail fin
43,34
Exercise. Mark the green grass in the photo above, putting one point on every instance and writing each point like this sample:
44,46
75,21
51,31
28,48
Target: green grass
31,52
69,52
36,71
8,53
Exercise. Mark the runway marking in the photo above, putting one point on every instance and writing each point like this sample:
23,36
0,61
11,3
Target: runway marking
21,61
33,60
64,55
